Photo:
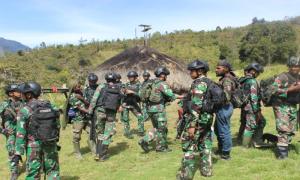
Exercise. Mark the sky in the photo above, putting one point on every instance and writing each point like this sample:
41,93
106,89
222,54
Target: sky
67,21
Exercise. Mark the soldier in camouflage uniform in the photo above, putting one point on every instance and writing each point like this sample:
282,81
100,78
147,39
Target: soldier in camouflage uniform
253,121
222,124
8,111
88,93
105,118
79,121
286,89
197,135
146,77
160,94
131,103
40,156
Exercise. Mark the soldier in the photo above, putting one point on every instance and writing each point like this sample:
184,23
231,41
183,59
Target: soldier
146,77
222,124
8,111
160,95
197,135
253,121
37,134
131,103
105,103
79,120
88,93
286,90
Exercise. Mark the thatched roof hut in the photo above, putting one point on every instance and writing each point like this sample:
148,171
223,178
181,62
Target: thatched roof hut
141,58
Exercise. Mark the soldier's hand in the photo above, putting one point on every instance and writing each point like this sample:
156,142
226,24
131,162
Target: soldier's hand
120,109
191,132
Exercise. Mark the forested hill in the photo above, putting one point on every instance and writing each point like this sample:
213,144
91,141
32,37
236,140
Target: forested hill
262,41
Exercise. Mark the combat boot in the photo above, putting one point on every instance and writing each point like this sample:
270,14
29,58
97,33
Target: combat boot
246,141
103,156
282,152
77,150
258,141
163,150
144,145
98,150
225,155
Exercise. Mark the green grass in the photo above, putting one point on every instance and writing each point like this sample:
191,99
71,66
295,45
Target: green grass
128,162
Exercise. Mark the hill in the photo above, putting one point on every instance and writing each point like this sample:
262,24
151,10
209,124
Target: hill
11,46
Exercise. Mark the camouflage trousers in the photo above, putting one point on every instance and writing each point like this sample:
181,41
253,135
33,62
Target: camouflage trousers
145,113
105,126
78,127
10,147
159,131
286,122
202,143
125,119
42,158
250,123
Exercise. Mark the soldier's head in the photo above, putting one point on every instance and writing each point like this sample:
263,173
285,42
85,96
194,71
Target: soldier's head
162,73
110,77
32,90
92,78
223,67
76,88
119,77
132,76
294,65
254,69
146,75
13,90
198,68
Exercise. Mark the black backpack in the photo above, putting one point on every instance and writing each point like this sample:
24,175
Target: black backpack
43,123
110,97
214,97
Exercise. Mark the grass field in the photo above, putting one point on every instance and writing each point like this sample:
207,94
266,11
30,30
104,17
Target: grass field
127,160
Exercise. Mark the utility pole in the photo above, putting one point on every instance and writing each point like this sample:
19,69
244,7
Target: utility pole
146,28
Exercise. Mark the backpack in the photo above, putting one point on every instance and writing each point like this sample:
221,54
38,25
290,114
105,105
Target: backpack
110,97
145,91
241,95
43,122
214,97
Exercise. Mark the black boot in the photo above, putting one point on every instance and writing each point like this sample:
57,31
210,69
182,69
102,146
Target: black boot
144,145
103,153
225,155
98,150
282,152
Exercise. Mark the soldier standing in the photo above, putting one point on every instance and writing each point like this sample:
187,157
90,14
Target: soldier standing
8,111
286,90
197,135
131,103
159,96
146,77
37,135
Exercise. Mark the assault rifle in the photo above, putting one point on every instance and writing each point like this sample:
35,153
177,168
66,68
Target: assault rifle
56,90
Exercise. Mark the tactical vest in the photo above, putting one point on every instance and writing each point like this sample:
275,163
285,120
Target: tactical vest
156,95
110,97
89,93
132,99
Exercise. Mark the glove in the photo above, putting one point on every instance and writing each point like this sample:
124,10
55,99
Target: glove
16,159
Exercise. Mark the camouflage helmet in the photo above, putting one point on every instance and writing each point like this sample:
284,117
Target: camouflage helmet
33,87
146,74
10,88
293,61
198,64
255,66
110,77
161,70
132,74
92,77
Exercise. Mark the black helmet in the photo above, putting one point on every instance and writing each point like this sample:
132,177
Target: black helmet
92,77
21,87
293,61
110,77
146,74
198,64
225,63
118,76
132,74
33,87
255,66
10,88
161,70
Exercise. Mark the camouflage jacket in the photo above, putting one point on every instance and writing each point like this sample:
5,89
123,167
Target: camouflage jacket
8,111
164,91
88,93
132,99
24,138
96,96
229,85
197,92
74,103
251,87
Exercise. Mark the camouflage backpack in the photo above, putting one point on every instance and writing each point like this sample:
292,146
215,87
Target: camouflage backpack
145,91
